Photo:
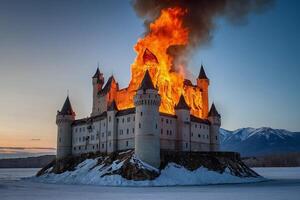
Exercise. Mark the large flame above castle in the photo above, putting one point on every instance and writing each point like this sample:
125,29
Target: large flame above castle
152,54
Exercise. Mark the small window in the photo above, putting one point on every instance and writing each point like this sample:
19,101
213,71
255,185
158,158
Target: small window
167,121
79,148
141,113
126,143
128,119
167,132
216,137
161,131
132,130
186,145
109,144
109,118
127,131
140,125
199,136
74,148
123,120
102,145
156,126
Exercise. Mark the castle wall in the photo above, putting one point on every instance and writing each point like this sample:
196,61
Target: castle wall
126,131
196,135
200,136
168,132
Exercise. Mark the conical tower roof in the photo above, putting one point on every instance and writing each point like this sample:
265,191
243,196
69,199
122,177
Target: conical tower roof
202,74
147,82
112,106
213,111
67,108
96,75
182,104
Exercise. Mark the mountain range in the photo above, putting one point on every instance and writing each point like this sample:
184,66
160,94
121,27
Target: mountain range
260,141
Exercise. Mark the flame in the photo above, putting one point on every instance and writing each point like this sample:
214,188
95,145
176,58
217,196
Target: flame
167,30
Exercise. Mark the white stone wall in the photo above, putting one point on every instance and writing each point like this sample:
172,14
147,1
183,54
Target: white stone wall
167,132
175,133
200,136
126,131
147,137
183,130
64,135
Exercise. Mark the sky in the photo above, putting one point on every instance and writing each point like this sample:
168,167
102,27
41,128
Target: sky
51,48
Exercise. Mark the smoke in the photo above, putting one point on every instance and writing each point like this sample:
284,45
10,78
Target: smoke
200,18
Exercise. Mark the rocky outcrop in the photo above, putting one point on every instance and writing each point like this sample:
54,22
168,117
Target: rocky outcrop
127,165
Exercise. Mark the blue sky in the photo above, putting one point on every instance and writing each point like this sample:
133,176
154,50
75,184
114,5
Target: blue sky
49,47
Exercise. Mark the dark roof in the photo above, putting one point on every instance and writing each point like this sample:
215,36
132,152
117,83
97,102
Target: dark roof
112,106
148,56
146,82
96,75
90,119
67,108
167,115
199,120
107,86
202,74
182,104
213,111
126,112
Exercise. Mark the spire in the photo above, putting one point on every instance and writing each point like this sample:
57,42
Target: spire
213,111
67,108
96,75
182,104
112,106
202,74
147,82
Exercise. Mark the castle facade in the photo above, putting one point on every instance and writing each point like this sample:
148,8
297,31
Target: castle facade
142,128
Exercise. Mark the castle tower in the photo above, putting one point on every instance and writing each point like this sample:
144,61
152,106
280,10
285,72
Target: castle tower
215,120
64,120
112,135
147,137
203,83
182,111
98,81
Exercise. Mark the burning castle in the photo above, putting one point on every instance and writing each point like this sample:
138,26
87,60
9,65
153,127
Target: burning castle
159,110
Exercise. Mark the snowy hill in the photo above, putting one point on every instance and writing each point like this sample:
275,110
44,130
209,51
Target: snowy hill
125,169
260,141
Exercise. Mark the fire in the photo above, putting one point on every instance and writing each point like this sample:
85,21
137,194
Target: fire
166,31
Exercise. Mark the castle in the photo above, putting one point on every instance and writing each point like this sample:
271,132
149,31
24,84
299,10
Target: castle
142,127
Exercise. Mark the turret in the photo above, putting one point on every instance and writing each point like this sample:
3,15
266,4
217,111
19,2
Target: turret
182,111
98,81
64,120
147,137
203,83
215,120
112,136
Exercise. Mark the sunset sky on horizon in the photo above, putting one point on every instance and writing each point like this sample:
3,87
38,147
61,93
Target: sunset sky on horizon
50,47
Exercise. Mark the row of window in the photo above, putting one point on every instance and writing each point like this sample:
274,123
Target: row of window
167,121
201,126
97,146
168,132
127,131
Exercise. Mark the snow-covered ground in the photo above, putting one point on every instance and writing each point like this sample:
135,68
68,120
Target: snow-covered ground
284,184
88,172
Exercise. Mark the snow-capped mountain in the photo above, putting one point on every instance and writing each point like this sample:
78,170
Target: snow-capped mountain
260,141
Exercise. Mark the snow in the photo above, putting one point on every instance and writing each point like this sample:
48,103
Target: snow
284,184
89,173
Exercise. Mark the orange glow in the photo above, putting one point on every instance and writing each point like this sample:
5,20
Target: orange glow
166,31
